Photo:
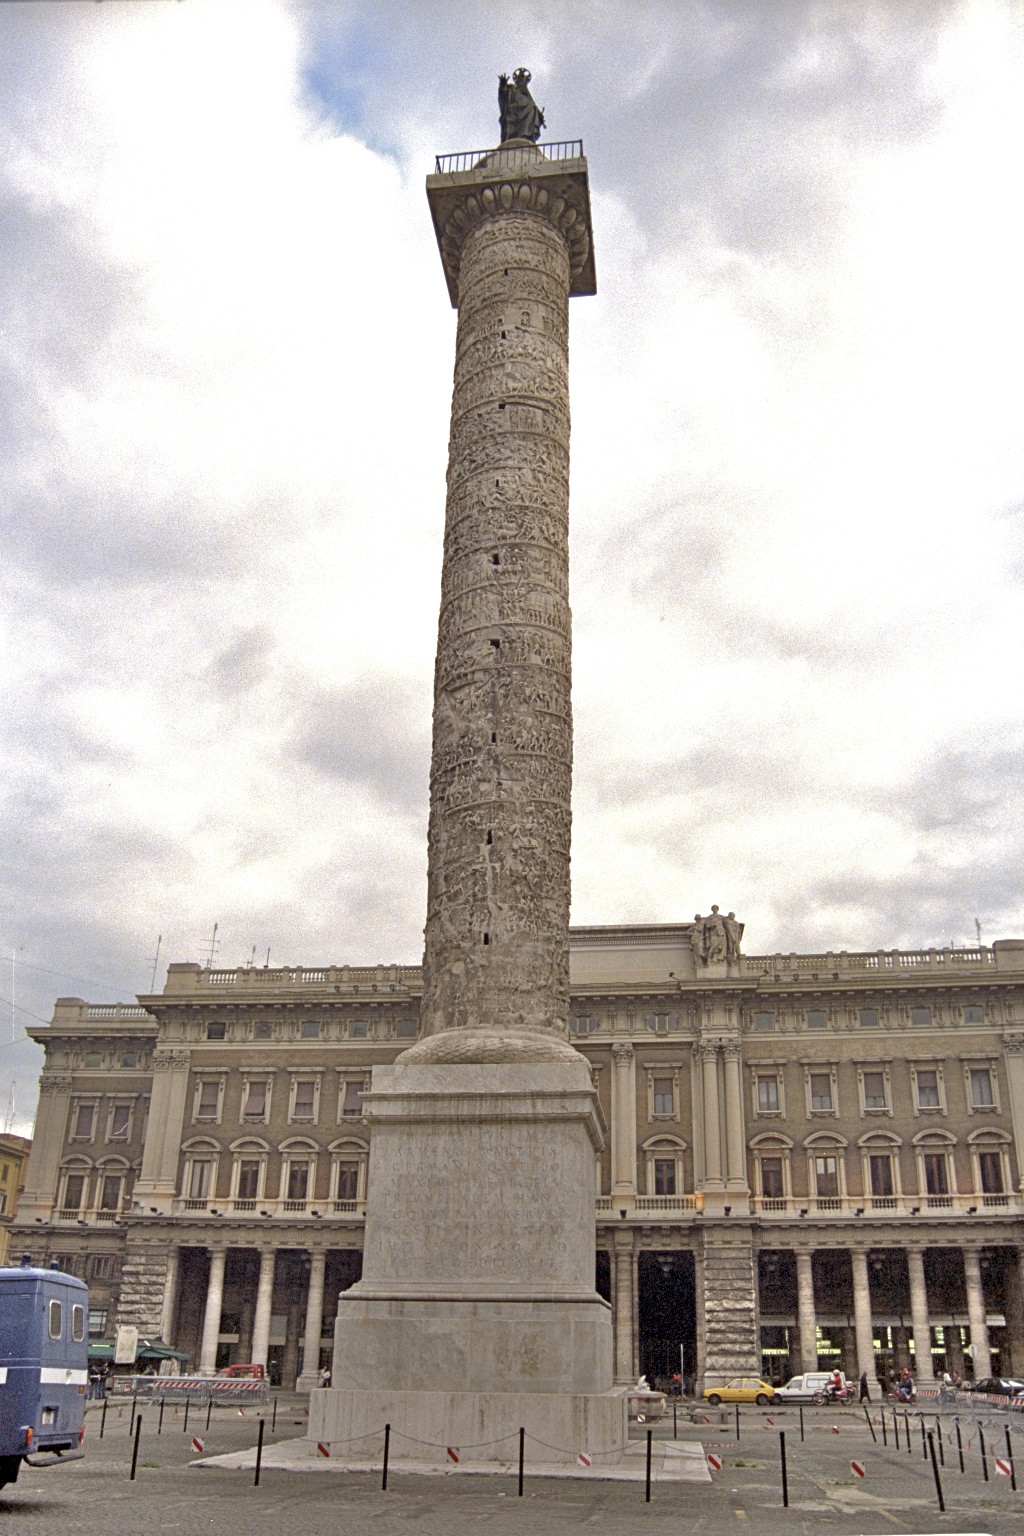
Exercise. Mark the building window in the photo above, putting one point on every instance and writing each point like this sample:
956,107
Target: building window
248,1186
936,1173
359,1030
97,1322
56,1319
990,1173
974,1013
920,1015
763,1020
816,1018
309,1029
199,1178
826,1177
351,1101
664,1099
256,1099
867,1018
262,1030
875,1090
305,1094
772,1182
767,1094
101,1266
73,1197
880,1168
347,1181
120,1123
216,1031
93,1059
821,1097
209,1092
298,1179
129,1058
405,1029
83,1123
928,1084
111,1186
664,1176
982,1094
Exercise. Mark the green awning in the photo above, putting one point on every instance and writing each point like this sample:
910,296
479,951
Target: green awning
155,1349
100,1351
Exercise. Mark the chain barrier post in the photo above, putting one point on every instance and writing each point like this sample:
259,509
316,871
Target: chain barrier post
960,1446
259,1454
924,1442
673,1421
885,1432
135,1452
895,1429
1009,1457
801,1423
782,1457
522,1458
103,1418
737,1423
273,1421
647,1495
160,1420
906,1431
867,1415
387,1449
938,1436
984,1459
185,1425
935,1469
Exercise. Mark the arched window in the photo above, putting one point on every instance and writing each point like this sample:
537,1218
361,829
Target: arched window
111,1181
248,1172
298,1173
772,1174
936,1169
73,1188
199,1173
826,1170
880,1170
666,1178
990,1165
348,1174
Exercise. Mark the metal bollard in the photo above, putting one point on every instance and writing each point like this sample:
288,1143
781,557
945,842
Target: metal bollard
135,1452
209,1409
1009,1457
867,1415
160,1420
184,1429
935,1469
782,1457
984,1459
103,1418
647,1495
259,1453
387,1448
522,1458
959,1445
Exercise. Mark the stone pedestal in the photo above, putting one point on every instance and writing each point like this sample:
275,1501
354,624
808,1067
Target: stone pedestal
478,1268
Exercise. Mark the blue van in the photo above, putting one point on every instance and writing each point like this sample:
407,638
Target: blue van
44,1350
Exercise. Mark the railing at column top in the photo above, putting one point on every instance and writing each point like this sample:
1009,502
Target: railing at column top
507,159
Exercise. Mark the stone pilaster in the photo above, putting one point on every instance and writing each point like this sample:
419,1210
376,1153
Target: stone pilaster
731,1343
40,1193
1013,1047
143,1284
807,1320
158,1180
623,1127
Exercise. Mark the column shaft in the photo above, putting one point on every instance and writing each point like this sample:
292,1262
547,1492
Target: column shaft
863,1331
735,1142
314,1322
622,1301
211,1317
712,1122
976,1314
623,1121
264,1303
806,1315
919,1316
170,1293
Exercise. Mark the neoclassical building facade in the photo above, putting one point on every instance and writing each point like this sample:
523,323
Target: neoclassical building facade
809,1159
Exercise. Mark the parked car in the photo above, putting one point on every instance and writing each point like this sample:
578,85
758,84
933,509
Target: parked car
998,1386
742,1389
804,1389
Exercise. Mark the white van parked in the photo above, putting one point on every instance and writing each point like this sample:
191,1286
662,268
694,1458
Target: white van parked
803,1389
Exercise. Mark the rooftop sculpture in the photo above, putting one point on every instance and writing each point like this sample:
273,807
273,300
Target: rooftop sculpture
518,113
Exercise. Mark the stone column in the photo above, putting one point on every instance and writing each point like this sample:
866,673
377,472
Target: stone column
806,1315
863,1331
314,1321
264,1305
211,1317
623,1306
157,1182
735,1141
976,1314
623,1123
712,1121
170,1295
1013,1049
48,1139
923,1369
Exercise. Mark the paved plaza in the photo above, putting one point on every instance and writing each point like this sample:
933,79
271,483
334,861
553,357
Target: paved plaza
301,1495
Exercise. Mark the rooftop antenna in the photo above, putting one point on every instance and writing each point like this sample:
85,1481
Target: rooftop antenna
213,947
977,929
9,1117
156,961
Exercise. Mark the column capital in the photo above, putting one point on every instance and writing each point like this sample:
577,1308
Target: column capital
622,1054
708,1050
54,1083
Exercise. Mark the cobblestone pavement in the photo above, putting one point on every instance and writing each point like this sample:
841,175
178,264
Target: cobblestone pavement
896,1494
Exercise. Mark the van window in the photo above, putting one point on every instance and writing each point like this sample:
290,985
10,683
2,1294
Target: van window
56,1320
78,1324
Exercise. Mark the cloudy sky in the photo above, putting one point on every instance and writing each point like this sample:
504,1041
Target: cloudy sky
225,366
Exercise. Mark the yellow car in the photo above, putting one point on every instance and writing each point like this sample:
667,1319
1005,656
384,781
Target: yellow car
742,1389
